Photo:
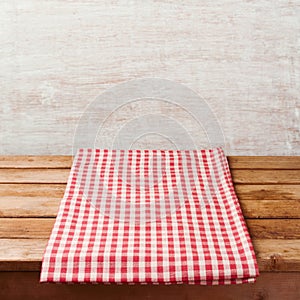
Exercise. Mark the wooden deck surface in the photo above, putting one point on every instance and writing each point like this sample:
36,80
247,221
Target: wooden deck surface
31,188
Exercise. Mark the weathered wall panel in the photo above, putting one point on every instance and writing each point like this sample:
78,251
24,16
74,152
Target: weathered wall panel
241,56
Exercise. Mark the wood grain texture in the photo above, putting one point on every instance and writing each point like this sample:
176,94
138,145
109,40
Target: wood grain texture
264,176
277,255
272,254
47,206
33,193
264,162
241,176
31,207
274,229
34,175
271,209
39,162
275,286
241,56
244,191
40,228
31,189
267,192
65,162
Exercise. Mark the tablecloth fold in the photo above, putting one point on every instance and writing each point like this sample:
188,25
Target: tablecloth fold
150,216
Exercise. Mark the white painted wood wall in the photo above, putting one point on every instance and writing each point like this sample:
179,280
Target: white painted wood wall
242,56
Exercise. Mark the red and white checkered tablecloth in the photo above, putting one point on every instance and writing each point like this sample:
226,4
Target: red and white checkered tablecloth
150,216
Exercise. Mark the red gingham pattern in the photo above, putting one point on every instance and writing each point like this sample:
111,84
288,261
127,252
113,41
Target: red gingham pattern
150,216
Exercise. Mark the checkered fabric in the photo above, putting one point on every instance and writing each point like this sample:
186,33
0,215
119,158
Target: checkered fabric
150,216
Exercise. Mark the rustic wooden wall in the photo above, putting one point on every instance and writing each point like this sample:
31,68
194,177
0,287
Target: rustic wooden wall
242,56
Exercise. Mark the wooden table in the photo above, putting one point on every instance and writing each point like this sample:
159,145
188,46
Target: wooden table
31,188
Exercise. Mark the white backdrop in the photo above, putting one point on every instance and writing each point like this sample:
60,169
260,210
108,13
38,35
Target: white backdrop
241,56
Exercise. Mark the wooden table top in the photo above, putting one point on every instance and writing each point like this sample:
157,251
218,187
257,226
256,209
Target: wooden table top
31,188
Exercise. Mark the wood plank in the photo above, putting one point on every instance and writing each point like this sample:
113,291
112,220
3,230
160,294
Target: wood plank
277,255
264,162
25,228
32,190
273,209
30,207
274,228
40,228
244,191
26,254
275,286
266,176
47,206
235,162
22,250
34,175
35,161
16,197
266,191
61,176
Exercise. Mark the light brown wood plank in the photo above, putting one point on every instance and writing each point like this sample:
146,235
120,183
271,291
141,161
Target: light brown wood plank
61,176
277,255
274,228
235,162
34,175
47,206
35,161
22,250
244,191
32,190
31,228
271,208
30,207
266,176
267,192
26,254
264,162
25,228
